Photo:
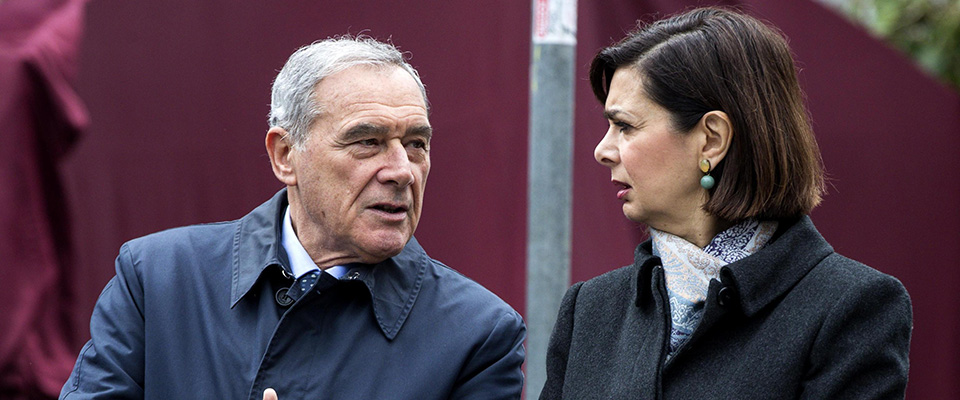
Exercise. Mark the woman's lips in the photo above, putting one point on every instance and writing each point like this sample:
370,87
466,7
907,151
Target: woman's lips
623,189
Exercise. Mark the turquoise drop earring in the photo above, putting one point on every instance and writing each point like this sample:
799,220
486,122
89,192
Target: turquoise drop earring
707,180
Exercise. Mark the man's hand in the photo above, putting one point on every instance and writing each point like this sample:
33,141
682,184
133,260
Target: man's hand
270,394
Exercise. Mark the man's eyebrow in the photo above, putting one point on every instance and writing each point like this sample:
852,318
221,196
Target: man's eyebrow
426,131
363,130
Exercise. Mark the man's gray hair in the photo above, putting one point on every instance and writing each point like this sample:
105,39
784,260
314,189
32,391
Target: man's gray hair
294,104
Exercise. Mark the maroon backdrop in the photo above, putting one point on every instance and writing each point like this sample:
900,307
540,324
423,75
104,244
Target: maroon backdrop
178,93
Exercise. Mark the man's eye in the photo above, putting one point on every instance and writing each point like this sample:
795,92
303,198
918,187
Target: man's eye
369,142
418,144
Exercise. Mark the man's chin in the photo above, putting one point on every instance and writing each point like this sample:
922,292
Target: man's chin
383,246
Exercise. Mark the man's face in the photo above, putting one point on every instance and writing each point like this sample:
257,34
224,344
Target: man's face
361,172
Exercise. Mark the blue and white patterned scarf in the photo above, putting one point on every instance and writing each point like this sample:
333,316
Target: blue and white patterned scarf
689,269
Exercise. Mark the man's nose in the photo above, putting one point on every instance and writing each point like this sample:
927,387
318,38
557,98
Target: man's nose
606,152
397,168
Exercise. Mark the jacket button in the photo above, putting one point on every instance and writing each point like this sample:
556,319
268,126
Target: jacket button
725,297
282,298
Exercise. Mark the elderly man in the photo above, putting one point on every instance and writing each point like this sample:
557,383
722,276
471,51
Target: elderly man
321,292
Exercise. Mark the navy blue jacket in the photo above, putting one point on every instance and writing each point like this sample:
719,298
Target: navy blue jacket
193,313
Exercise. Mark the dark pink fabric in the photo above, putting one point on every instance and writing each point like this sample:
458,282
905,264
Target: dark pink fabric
41,116
178,93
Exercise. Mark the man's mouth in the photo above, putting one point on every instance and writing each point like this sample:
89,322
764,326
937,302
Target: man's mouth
390,208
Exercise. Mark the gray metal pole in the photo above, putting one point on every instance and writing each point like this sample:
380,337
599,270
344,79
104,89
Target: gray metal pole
550,177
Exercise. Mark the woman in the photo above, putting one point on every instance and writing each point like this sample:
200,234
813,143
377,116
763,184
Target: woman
736,295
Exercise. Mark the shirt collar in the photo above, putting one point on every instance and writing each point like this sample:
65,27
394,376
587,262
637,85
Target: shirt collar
394,283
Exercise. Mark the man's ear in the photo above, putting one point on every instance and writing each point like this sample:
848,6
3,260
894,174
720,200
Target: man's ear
280,149
718,131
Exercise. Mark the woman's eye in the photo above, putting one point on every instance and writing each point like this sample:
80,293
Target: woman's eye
622,126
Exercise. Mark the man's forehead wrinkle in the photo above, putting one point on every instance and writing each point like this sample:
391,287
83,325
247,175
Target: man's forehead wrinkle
380,113
360,102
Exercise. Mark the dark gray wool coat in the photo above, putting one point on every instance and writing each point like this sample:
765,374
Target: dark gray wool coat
794,320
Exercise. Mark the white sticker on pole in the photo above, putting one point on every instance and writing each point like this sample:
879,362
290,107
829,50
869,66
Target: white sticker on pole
555,22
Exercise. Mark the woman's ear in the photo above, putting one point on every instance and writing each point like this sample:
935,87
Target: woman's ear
718,130
281,151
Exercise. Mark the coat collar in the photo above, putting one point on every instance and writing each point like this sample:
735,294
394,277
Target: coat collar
256,245
758,279
393,283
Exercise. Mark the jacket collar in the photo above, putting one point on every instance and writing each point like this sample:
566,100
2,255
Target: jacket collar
644,261
761,278
256,245
393,283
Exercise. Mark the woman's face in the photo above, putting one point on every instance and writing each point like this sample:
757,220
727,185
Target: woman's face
653,167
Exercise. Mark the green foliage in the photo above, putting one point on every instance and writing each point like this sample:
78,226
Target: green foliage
928,30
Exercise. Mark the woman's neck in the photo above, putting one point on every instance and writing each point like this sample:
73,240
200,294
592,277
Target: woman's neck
700,229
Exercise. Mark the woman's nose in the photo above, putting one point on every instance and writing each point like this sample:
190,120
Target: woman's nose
606,152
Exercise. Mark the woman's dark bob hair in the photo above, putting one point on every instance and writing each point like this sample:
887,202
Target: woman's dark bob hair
714,59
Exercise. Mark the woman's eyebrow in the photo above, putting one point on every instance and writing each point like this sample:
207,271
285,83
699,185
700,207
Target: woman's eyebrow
611,114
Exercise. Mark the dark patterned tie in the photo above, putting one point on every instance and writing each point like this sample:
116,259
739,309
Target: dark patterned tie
304,284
